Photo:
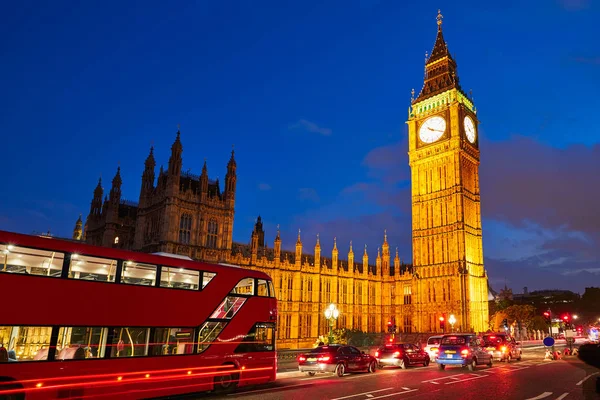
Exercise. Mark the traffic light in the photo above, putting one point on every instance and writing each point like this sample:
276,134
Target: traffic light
566,321
391,327
443,323
547,316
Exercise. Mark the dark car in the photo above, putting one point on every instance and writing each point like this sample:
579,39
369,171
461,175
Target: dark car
401,355
464,349
502,347
337,359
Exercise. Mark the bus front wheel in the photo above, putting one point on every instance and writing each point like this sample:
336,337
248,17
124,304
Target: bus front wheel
226,381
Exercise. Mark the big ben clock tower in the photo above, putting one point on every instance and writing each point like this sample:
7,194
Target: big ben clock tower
449,276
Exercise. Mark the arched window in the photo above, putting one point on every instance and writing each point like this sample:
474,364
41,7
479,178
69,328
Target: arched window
211,237
185,228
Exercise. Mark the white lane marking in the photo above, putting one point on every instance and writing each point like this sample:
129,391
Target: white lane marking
541,396
468,379
437,379
393,394
586,378
562,396
405,388
365,393
435,383
369,395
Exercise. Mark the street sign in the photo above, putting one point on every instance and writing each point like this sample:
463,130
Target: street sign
548,341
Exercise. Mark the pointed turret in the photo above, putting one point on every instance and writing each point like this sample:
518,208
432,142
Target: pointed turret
96,205
230,178
365,261
378,262
397,264
298,258
148,175
78,231
204,180
115,190
440,68
175,160
258,228
334,255
277,248
318,253
350,258
385,256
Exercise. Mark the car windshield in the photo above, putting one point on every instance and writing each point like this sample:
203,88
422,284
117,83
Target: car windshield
494,340
390,348
454,340
325,349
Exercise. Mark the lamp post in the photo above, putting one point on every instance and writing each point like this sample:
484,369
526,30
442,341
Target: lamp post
331,314
452,321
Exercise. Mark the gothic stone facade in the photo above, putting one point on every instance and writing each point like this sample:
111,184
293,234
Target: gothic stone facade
446,212
367,295
178,213
189,215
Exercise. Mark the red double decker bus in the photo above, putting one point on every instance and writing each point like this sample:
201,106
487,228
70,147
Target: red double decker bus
79,321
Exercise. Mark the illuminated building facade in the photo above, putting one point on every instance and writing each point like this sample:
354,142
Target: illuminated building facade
446,212
189,215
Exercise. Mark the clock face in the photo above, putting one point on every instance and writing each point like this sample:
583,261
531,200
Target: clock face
432,129
470,129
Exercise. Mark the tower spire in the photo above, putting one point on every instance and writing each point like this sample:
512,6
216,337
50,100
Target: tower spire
440,67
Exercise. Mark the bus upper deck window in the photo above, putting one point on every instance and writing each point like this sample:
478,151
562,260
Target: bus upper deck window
24,260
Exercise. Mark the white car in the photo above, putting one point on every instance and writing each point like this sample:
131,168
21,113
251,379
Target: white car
433,344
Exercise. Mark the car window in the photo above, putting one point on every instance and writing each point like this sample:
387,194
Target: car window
407,346
433,341
494,340
454,340
354,350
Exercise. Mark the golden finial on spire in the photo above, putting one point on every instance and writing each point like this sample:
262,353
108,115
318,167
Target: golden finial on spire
439,18
412,95
385,235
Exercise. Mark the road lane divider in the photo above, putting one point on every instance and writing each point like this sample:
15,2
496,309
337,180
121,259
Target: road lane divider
363,394
541,396
586,378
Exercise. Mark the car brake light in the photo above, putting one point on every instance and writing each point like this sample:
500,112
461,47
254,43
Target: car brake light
376,354
301,358
503,348
396,354
464,352
325,358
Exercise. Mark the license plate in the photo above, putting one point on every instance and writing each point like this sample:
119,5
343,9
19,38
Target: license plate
491,348
450,352
311,359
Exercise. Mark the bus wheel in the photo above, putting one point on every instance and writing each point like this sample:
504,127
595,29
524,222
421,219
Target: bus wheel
226,382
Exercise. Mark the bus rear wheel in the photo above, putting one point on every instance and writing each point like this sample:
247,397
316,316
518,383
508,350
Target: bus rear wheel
226,382
7,386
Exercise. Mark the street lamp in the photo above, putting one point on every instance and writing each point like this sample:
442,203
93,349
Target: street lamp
331,314
452,321
575,317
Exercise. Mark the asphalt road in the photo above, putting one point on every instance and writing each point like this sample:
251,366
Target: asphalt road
531,379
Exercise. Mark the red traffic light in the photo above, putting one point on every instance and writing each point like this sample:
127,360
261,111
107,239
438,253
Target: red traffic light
546,314
442,318
566,317
389,322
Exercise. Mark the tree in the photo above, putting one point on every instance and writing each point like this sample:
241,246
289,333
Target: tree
521,313
538,323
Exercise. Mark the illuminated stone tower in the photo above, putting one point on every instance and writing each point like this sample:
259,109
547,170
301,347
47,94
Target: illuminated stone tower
446,214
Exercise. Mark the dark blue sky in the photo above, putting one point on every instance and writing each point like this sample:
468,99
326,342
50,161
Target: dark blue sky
314,96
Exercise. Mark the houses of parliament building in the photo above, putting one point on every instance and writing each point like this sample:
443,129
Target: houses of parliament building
191,215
